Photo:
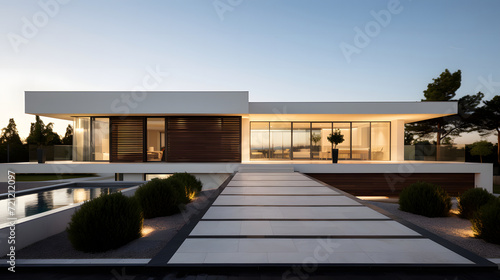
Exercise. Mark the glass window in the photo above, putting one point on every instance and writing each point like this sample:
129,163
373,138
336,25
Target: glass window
259,140
281,140
360,141
381,141
81,139
321,148
100,139
155,139
344,147
301,140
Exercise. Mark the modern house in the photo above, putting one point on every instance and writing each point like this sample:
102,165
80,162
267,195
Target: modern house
137,135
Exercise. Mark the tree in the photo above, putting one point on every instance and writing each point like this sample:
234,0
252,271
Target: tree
10,134
12,148
443,89
487,119
481,148
68,136
41,134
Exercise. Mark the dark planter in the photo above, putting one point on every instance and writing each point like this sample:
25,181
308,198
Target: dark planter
40,153
335,155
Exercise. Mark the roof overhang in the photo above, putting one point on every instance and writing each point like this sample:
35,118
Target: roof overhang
351,111
68,104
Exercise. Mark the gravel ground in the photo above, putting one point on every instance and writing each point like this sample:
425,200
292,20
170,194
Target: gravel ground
452,228
157,232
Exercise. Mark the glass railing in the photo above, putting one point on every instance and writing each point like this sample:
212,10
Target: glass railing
433,153
52,153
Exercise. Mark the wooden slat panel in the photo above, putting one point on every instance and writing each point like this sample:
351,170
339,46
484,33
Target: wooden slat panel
391,184
127,139
204,139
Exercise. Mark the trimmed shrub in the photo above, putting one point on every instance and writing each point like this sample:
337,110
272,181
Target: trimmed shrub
104,223
189,184
471,200
160,197
486,221
425,199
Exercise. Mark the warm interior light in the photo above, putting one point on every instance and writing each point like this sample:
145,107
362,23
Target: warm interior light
146,231
372,197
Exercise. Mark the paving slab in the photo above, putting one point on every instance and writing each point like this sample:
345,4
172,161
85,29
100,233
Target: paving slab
302,228
287,213
277,183
270,178
243,200
279,190
322,250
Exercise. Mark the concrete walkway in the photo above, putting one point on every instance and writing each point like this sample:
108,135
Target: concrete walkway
288,218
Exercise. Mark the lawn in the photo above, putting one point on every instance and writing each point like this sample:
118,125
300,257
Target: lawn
47,177
496,189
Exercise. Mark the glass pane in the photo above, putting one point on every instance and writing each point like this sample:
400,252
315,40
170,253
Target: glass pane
155,139
81,139
100,139
281,140
381,141
301,140
344,147
259,140
360,141
321,148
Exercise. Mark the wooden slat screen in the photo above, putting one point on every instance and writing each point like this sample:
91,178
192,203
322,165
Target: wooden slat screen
391,184
204,139
127,139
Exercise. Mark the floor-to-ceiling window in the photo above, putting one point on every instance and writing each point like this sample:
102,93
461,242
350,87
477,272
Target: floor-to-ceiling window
81,139
344,147
259,139
281,142
100,139
320,147
155,136
301,140
308,140
380,141
360,140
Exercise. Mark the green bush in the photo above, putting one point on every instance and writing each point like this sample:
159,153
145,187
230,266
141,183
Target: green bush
189,181
486,221
160,197
425,199
471,200
104,223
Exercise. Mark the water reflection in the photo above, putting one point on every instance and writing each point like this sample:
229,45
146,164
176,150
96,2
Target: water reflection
31,204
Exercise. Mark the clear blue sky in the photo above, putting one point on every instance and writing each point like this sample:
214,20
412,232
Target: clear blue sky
277,50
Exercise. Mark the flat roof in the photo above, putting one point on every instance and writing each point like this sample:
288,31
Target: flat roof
68,104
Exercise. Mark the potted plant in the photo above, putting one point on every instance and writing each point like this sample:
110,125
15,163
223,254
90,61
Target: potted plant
335,138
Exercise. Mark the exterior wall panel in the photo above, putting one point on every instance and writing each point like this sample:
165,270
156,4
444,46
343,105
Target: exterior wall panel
204,139
391,184
127,139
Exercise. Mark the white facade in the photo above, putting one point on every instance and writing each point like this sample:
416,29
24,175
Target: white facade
66,105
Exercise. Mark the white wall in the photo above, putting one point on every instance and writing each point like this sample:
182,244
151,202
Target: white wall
397,140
